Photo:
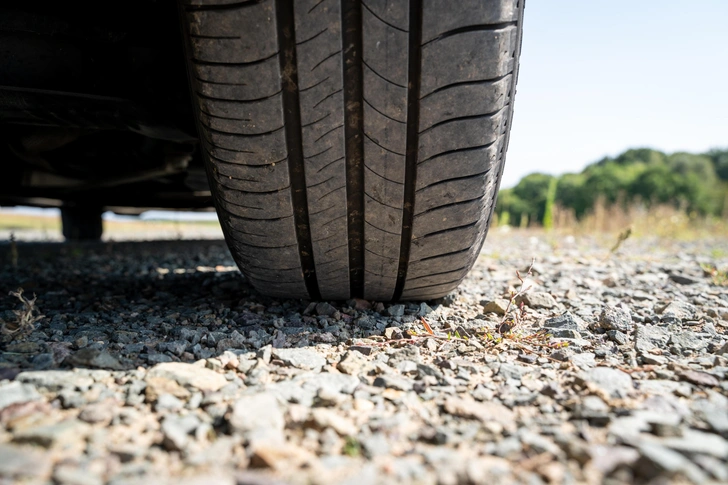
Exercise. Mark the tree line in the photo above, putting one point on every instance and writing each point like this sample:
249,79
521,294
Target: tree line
696,183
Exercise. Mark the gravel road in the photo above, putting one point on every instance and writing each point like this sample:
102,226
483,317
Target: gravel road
155,362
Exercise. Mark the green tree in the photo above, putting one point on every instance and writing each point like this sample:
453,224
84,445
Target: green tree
532,190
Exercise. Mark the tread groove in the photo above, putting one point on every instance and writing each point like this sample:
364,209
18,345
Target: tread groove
312,38
382,77
443,181
329,164
314,122
327,97
303,90
220,132
380,146
442,255
381,19
471,28
382,176
294,143
380,229
462,118
385,205
413,123
223,117
465,83
325,59
452,204
330,131
317,4
386,116
353,73
330,192
457,150
450,229
200,62
237,101
439,273
225,6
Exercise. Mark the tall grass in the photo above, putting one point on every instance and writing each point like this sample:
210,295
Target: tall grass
655,220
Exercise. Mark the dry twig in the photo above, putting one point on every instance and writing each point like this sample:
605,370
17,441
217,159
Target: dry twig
26,317
522,289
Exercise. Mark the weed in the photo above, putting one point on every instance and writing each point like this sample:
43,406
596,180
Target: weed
352,447
719,277
13,251
26,317
718,253
507,324
623,236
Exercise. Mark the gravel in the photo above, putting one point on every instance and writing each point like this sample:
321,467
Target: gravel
156,362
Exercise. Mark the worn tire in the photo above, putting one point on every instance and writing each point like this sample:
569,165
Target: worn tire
354,149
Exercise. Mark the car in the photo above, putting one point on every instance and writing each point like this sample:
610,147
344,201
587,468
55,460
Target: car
351,148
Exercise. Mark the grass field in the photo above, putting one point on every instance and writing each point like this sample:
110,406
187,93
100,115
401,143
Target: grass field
48,228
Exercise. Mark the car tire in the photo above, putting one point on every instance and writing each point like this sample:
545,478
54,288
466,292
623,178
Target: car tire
354,149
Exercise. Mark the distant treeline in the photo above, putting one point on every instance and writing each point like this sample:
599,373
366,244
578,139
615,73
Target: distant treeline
697,184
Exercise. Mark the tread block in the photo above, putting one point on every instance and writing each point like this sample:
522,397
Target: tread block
242,83
455,194
394,12
461,163
481,56
454,240
266,148
255,206
383,47
242,35
446,218
254,180
464,100
461,133
245,118
440,17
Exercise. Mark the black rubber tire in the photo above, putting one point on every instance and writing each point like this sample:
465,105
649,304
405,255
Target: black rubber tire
82,223
354,149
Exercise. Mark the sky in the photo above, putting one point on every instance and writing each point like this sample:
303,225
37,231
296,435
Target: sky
598,77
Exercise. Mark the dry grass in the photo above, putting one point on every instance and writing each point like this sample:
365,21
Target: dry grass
49,227
25,318
660,221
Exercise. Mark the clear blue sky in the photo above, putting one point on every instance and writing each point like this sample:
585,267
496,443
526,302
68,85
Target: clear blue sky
598,77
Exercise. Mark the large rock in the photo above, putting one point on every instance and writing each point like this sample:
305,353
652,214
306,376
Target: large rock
300,358
615,382
324,418
189,375
537,299
565,321
17,463
352,363
55,380
497,306
677,312
66,434
90,357
482,411
655,460
649,337
259,417
612,318
17,392
687,342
